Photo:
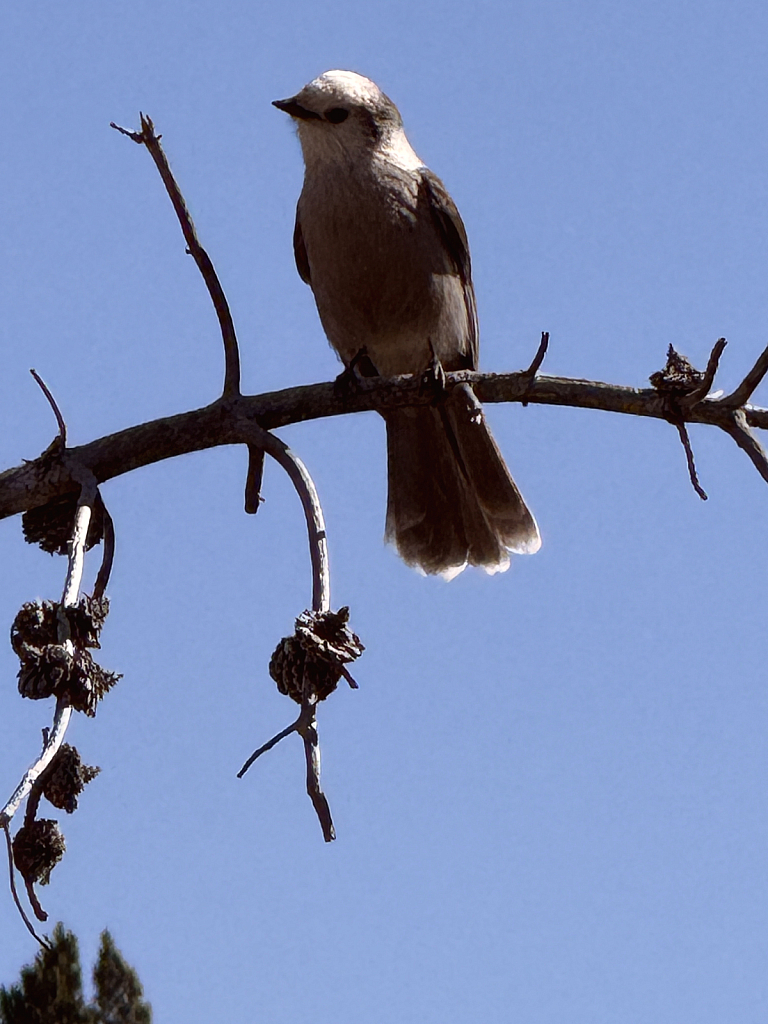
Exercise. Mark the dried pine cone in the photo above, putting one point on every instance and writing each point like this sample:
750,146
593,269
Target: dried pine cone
50,525
45,672
37,848
86,620
678,376
88,683
309,663
48,667
66,778
299,673
35,626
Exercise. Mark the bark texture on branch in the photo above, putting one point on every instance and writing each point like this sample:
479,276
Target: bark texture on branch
227,422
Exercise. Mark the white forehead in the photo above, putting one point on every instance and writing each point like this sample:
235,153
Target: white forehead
338,86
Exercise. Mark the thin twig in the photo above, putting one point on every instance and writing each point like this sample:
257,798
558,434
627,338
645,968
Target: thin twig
37,908
62,438
742,394
694,397
61,719
268,745
107,557
253,496
151,140
538,359
739,430
313,512
14,893
308,731
682,431
345,672
306,723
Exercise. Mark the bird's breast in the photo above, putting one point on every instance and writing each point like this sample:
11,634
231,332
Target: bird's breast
379,271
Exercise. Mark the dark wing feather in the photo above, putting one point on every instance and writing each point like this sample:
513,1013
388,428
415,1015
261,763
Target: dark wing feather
453,233
300,251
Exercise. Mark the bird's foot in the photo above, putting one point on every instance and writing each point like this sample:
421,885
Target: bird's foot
360,368
433,379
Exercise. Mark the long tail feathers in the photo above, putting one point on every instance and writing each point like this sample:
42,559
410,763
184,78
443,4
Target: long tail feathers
452,501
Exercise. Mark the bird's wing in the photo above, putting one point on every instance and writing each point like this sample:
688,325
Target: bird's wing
300,251
453,233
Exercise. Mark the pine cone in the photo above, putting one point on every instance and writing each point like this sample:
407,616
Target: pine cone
37,849
66,778
301,674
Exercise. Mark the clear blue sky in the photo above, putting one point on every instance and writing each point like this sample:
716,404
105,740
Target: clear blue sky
550,789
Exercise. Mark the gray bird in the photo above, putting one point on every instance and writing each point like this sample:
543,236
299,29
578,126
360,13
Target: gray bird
383,247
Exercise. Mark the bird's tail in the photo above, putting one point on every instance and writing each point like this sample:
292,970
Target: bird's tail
452,501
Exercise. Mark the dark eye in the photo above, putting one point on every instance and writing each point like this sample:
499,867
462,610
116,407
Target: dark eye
337,115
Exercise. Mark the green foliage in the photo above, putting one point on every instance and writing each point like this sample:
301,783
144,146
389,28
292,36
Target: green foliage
118,989
51,989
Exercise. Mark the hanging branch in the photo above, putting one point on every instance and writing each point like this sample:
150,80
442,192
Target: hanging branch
259,441
307,693
14,892
69,599
107,558
54,738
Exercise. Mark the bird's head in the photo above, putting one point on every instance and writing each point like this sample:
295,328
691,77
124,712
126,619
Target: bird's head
342,115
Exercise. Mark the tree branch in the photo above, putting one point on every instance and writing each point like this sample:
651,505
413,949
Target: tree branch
221,423
739,430
151,140
745,390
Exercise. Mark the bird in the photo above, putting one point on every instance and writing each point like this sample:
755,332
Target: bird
381,243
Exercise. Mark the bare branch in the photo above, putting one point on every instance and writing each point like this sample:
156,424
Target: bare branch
62,438
308,730
538,359
42,479
294,727
692,399
253,481
69,599
737,427
745,390
151,140
108,556
55,739
14,893
682,431
313,512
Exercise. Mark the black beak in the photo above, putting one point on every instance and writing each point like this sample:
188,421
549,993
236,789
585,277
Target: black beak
295,109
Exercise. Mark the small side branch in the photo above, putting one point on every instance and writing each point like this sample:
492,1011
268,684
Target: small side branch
294,727
255,436
308,731
745,390
538,359
62,438
55,739
108,557
151,140
701,392
739,430
253,481
14,892
683,432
